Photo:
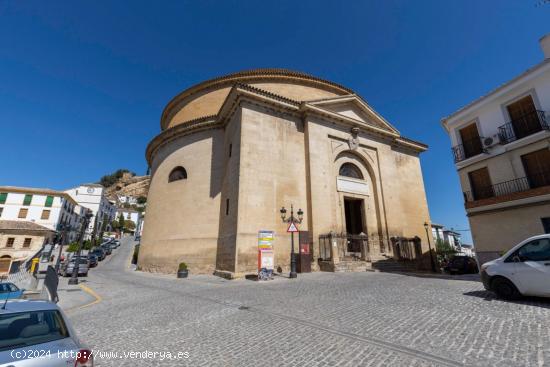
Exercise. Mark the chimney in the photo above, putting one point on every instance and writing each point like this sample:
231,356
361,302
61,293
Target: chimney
545,45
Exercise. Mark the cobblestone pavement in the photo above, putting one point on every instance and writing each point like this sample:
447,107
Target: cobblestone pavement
319,319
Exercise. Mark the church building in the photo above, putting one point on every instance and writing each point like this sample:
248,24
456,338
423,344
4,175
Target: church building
236,149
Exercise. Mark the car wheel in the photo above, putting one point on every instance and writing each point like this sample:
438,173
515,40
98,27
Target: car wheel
505,289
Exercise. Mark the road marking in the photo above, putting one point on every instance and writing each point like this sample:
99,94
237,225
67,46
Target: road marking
91,292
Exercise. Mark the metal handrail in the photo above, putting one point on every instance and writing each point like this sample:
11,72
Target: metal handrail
509,131
511,186
473,149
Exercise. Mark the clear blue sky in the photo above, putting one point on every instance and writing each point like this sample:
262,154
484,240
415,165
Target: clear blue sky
83,84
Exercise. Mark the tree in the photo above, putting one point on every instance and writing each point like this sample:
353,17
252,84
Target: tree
142,200
73,247
129,225
121,222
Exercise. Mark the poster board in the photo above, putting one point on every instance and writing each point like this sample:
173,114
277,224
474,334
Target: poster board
266,254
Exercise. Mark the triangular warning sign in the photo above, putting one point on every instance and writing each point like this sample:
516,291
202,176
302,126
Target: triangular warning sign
292,227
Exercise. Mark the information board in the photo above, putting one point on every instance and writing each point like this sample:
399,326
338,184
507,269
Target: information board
266,255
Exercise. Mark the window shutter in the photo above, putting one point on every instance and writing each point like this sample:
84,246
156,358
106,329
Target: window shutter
27,200
49,201
3,197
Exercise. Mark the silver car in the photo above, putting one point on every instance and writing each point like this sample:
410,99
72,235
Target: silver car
68,267
37,333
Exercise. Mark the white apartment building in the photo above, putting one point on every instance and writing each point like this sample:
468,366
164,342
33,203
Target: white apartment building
48,208
501,147
447,235
92,196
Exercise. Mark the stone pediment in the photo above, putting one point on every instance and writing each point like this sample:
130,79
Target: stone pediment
353,107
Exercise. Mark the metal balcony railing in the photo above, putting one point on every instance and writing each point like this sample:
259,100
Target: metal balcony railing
526,125
509,187
467,149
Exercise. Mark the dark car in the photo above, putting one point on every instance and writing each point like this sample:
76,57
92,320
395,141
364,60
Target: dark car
93,260
99,252
461,265
107,249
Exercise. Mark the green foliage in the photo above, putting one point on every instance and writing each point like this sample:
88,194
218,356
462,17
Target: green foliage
121,222
109,180
142,200
182,266
129,225
73,247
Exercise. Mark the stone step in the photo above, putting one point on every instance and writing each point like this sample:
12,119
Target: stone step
390,265
351,266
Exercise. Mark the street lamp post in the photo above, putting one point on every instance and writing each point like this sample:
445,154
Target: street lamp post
292,220
426,226
74,275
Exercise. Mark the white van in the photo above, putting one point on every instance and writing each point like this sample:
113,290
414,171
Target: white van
524,270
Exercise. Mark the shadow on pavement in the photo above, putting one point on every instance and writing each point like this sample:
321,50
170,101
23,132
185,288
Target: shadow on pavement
465,277
527,301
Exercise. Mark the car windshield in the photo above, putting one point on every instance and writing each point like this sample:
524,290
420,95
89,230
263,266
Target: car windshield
81,261
23,329
8,287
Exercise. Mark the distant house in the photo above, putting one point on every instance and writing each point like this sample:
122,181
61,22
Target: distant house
55,210
93,197
439,232
20,239
129,214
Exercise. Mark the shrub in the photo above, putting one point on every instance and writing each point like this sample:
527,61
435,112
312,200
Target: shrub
182,266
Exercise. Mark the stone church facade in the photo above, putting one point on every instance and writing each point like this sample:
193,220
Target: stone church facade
235,149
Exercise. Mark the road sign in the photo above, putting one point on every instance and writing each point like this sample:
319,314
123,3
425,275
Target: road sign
292,228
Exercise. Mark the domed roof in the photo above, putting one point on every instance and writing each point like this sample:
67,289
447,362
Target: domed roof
206,98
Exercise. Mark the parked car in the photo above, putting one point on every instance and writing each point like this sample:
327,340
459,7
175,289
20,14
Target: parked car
33,329
99,252
524,270
10,291
461,264
107,249
92,260
68,267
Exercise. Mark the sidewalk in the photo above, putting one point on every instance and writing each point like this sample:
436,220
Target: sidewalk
73,296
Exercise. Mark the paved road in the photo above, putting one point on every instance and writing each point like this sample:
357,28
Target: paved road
320,319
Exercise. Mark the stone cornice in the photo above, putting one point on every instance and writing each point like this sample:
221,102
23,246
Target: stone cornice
256,75
242,92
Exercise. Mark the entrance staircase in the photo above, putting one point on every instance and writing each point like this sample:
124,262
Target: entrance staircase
385,263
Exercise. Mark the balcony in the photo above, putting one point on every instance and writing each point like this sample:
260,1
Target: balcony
467,149
520,188
526,125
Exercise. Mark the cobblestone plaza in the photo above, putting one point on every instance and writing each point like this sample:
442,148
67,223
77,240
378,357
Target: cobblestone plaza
319,319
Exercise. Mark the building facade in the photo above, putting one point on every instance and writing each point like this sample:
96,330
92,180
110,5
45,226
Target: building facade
52,209
92,196
21,239
501,147
235,149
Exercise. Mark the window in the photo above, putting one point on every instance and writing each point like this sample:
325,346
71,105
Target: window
178,173
537,250
30,328
471,142
27,242
49,201
10,241
230,149
27,200
226,206
480,181
23,213
524,117
3,197
1,210
45,214
546,224
537,167
350,170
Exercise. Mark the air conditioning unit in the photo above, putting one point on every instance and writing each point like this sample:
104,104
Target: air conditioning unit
491,141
